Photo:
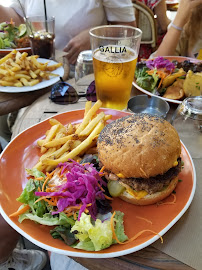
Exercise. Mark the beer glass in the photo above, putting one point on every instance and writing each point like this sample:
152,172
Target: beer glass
115,50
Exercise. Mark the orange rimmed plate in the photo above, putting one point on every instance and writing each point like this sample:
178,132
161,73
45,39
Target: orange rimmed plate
22,152
171,58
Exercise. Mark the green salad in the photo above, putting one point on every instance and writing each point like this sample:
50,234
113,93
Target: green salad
74,202
9,34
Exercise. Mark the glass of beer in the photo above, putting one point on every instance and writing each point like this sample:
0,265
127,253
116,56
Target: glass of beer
41,33
115,50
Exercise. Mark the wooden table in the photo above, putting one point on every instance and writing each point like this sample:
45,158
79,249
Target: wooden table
10,102
147,258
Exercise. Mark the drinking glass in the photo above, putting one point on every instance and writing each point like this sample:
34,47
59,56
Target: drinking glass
42,36
115,50
187,120
83,68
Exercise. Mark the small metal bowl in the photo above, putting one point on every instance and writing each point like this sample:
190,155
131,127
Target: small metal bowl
151,105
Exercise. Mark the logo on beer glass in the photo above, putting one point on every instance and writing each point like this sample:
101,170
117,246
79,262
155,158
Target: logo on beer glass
113,49
112,59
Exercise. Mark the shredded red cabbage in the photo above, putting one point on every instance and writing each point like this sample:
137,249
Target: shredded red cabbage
82,187
160,62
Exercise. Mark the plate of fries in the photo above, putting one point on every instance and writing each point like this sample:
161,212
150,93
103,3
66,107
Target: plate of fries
22,73
70,135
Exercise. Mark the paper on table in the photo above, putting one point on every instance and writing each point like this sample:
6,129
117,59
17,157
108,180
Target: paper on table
184,240
60,57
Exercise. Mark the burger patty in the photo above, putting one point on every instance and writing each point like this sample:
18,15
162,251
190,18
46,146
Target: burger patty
151,184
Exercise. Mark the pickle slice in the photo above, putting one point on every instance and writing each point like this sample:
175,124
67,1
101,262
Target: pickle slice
115,189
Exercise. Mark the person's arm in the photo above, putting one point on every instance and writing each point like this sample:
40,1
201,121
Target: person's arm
172,37
7,13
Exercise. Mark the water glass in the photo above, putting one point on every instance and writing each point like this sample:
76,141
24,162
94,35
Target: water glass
42,36
115,52
187,120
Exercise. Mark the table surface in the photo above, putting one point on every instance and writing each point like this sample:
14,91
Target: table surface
147,258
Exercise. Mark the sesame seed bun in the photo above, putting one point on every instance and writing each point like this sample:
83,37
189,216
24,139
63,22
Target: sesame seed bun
139,145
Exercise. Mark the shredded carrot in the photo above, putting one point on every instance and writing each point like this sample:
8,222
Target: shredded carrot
74,215
39,178
41,198
39,190
45,182
102,169
70,208
147,220
51,185
108,198
134,237
49,175
172,202
20,211
100,187
50,202
69,214
160,73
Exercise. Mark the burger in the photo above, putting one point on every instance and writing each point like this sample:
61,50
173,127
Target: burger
141,158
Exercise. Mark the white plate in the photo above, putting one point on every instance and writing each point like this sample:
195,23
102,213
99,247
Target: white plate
171,58
43,84
7,50
150,94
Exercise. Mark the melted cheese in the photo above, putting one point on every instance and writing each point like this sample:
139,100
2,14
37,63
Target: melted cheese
120,175
175,163
137,194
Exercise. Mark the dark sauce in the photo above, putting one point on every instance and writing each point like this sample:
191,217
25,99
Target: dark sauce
43,45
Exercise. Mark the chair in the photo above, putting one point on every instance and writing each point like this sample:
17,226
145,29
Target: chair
147,23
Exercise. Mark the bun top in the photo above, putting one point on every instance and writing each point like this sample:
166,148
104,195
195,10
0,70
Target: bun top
139,145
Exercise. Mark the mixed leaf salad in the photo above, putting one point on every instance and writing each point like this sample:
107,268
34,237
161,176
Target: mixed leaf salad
10,35
73,200
169,79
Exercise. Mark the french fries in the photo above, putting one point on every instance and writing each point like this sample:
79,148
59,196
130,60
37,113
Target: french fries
73,140
18,69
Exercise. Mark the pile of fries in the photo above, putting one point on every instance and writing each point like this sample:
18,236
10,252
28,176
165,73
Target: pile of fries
18,69
72,141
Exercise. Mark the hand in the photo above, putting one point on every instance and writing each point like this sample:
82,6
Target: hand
77,44
185,10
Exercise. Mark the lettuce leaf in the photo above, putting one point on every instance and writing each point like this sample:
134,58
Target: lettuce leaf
48,219
119,227
28,194
97,236
63,233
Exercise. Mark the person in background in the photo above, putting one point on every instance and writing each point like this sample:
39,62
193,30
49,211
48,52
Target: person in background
14,258
184,36
159,9
73,20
